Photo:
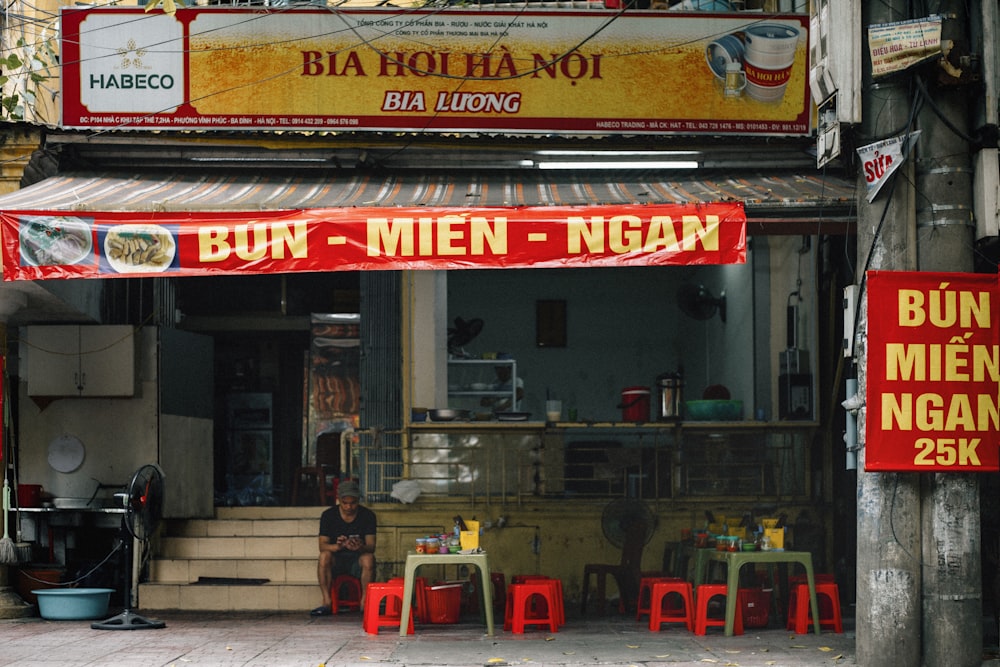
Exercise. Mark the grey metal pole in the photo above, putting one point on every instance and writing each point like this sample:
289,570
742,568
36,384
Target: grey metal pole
952,585
888,558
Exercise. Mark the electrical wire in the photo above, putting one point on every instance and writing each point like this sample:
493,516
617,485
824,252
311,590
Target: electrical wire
922,87
876,237
26,573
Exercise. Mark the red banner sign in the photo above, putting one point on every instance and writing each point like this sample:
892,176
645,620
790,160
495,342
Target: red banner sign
44,245
933,372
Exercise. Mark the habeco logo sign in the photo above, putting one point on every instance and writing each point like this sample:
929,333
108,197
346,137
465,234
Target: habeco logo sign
132,66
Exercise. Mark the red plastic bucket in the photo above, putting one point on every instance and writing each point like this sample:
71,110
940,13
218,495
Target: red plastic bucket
635,404
444,603
29,495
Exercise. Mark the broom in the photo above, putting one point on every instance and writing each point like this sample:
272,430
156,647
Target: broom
8,550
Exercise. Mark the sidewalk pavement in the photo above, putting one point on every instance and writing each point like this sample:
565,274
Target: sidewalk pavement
298,640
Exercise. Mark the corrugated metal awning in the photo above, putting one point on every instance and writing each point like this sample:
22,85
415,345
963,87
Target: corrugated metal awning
774,199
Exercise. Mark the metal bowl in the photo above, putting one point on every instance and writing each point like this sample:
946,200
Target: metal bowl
447,414
513,416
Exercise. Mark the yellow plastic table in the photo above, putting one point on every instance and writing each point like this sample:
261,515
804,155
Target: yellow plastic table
478,560
735,560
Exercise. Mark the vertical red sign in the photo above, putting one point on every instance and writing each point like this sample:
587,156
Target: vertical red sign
933,372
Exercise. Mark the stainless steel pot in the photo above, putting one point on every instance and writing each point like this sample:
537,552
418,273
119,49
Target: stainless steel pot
670,396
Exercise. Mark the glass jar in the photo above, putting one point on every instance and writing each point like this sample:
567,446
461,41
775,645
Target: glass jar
421,545
433,545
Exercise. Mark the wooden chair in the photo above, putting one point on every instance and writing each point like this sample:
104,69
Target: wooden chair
626,573
323,476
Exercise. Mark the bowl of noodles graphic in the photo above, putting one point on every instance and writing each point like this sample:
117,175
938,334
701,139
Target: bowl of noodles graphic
139,248
53,240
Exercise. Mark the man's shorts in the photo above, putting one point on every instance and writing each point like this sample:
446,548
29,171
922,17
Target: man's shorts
346,562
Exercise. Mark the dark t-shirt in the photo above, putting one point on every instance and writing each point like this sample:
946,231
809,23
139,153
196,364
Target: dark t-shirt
332,525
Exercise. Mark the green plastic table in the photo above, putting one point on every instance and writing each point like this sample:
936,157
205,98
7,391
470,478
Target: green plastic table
478,560
735,560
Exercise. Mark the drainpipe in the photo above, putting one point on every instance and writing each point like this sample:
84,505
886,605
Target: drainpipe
851,424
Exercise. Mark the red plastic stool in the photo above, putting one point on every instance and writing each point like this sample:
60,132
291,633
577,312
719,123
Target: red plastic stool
819,578
828,601
499,582
793,586
392,594
557,592
522,610
642,605
420,611
702,622
345,592
657,596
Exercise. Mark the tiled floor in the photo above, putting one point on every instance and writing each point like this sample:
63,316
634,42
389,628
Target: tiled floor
279,640
219,639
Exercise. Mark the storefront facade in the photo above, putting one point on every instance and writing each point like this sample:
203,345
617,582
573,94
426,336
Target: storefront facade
758,235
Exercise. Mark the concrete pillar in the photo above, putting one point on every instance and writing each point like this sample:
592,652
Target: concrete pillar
952,583
888,563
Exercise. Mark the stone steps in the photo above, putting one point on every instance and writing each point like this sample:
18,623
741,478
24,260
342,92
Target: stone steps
273,544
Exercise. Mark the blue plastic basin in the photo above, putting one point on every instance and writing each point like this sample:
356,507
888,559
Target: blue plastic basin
73,604
714,411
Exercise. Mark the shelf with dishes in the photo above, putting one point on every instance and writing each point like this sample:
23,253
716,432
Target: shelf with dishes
486,389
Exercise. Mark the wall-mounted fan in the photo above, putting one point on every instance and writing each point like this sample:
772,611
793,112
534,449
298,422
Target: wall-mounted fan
462,334
697,302
143,501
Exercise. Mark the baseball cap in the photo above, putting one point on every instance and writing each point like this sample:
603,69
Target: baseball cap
348,488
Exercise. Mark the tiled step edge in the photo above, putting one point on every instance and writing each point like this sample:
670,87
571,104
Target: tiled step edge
237,547
277,570
266,597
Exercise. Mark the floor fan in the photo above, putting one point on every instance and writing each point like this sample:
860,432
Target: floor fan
628,523
143,501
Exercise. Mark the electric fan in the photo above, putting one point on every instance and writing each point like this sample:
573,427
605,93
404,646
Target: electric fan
628,520
698,303
143,500
628,524
462,334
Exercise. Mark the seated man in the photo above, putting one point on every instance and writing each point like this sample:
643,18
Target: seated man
346,543
503,383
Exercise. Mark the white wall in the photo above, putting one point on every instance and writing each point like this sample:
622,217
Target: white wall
119,434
